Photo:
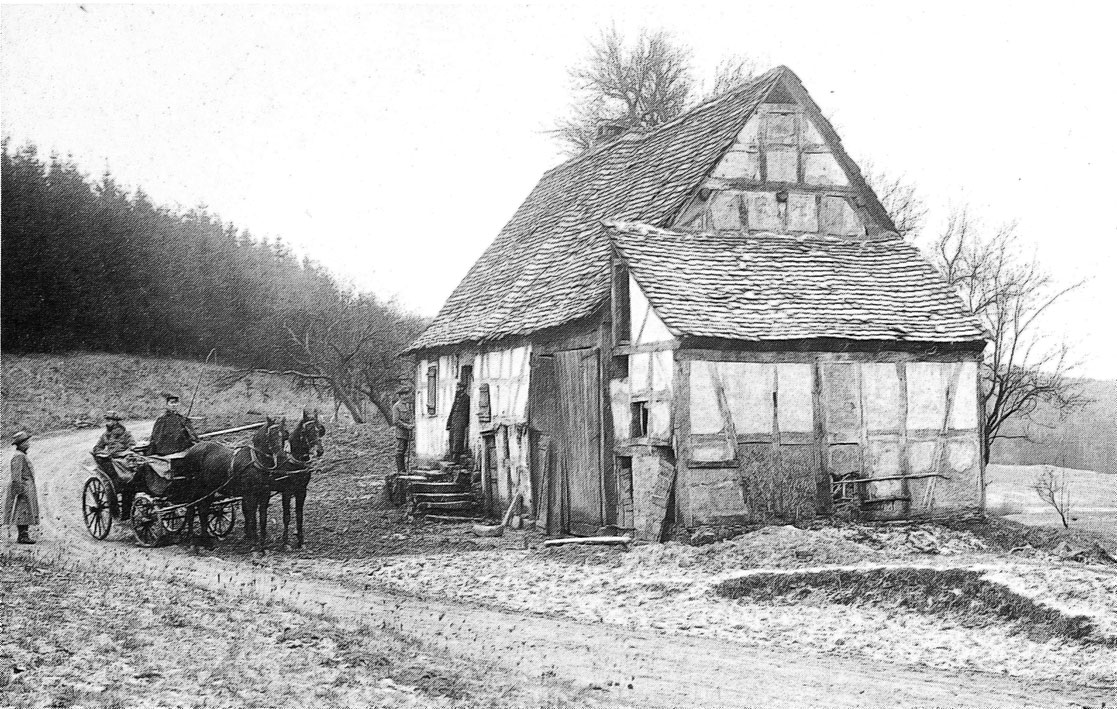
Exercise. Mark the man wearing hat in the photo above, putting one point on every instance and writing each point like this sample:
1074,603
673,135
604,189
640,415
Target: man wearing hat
172,431
116,439
113,444
403,418
21,500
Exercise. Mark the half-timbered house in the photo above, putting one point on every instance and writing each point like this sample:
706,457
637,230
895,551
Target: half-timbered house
710,322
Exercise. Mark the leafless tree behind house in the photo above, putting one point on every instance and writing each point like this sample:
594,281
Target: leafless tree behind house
1009,293
641,85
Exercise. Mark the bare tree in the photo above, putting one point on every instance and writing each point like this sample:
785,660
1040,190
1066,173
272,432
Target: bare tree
349,348
731,73
900,199
1008,293
642,85
1055,491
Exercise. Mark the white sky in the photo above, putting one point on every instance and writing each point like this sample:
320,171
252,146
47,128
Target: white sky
392,142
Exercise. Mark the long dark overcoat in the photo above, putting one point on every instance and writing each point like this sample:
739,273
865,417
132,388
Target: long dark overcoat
171,433
21,499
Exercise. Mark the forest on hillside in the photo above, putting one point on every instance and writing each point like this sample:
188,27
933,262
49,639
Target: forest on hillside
89,266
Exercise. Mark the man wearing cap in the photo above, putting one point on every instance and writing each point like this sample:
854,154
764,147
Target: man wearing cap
21,500
404,421
172,431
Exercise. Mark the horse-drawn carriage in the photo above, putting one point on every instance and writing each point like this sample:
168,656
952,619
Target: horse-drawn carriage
160,496
149,493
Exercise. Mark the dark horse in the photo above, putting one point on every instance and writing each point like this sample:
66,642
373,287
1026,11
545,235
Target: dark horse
295,478
214,468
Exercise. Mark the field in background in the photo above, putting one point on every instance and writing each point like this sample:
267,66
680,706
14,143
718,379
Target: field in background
1084,439
51,392
1009,494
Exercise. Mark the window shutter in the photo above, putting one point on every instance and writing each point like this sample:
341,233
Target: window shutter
484,408
432,390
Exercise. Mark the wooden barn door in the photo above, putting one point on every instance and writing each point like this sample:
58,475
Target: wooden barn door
578,390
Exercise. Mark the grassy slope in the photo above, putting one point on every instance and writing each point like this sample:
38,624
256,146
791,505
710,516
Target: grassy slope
50,392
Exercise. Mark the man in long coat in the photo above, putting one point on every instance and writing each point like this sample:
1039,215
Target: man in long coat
457,423
172,431
21,500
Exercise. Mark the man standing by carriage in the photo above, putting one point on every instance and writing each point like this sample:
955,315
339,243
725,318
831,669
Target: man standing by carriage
172,431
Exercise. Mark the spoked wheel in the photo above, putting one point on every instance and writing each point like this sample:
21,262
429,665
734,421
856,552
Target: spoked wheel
174,520
147,524
221,520
96,508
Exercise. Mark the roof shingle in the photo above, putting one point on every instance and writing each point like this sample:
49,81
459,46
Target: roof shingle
781,287
549,264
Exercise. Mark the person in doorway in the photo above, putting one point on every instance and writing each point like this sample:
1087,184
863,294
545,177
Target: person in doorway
457,423
403,418
172,431
21,501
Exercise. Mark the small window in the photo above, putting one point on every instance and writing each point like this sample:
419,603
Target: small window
484,407
639,419
620,367
432,390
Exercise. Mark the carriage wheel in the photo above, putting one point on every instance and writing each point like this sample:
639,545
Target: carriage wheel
147,524
221,520
96,508
174,521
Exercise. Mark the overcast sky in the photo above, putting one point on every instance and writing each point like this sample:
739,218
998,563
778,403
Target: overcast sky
392,142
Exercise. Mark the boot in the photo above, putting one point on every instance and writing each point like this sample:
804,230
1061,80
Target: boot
24,537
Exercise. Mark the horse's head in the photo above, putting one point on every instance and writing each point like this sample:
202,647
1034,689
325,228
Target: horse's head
307,437
270,437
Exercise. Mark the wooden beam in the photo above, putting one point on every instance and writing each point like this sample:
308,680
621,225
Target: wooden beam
650,347
237,429
807,351
587,540
743,183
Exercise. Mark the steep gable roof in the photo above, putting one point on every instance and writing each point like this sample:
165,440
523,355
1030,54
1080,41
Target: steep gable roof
781,287
549,264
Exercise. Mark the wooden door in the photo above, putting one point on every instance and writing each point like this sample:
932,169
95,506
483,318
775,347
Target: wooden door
578,390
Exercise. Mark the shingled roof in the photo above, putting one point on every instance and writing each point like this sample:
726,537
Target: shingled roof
549,264
782,287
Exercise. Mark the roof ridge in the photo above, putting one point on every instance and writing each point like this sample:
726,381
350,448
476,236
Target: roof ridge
749,85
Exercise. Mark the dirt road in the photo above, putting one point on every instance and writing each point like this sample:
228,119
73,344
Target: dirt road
612,666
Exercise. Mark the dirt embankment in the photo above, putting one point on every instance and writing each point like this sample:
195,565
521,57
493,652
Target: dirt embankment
53,392
526,658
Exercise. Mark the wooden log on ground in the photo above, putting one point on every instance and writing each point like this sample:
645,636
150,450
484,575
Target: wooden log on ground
587,540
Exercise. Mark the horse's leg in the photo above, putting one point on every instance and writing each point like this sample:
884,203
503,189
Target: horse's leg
201,539
300,498
248,507
262,510
286,520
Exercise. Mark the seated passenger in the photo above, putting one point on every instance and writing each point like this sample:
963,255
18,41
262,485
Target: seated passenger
116,439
